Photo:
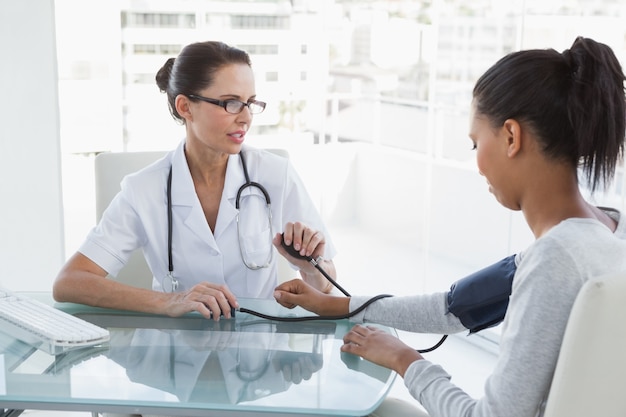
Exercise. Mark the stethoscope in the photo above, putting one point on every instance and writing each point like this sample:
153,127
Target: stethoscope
249,264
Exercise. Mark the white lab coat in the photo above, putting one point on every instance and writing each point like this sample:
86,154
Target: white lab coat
137,218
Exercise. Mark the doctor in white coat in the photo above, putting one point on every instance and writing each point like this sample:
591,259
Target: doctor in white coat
209,215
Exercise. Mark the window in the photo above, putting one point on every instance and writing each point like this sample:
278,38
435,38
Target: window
260,22
132,19
260,49
155,49
388,85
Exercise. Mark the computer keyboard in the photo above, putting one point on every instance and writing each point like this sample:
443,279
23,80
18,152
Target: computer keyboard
45,327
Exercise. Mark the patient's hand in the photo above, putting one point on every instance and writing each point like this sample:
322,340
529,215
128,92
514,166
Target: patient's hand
380,347
298,293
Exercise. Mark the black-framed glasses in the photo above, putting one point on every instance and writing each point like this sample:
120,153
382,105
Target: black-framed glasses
233,106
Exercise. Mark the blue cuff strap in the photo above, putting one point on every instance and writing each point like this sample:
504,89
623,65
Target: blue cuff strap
480,300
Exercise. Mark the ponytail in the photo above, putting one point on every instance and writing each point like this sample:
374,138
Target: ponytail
596,108
573,102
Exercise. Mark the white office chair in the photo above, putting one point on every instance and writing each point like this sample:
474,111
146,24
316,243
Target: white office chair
591,369
110,169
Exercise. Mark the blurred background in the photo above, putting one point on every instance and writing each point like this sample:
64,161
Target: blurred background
370,98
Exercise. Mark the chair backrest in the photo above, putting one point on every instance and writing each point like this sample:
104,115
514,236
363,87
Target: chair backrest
110,169
590,376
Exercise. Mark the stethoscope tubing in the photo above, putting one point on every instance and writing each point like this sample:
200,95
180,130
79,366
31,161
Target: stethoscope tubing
170,222
247,184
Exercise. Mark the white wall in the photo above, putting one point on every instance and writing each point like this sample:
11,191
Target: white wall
410,210
31,216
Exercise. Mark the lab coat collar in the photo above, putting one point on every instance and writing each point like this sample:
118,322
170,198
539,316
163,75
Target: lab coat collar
234,178
185,202
184,194
183,191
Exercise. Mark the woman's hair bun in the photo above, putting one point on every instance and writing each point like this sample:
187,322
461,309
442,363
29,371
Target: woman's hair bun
163,75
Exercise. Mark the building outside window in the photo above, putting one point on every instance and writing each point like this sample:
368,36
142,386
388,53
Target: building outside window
371,98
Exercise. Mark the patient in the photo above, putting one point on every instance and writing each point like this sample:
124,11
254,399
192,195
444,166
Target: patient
538,116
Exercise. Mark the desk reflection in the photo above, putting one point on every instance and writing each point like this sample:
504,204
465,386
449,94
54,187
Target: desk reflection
192,366
230,361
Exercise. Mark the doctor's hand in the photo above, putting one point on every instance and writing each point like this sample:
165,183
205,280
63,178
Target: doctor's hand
311,243
298,293
379,347
306,241
297,366
206,298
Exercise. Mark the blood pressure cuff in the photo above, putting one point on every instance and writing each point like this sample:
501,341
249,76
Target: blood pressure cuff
480,300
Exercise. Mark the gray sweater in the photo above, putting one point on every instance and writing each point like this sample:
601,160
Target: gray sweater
549,275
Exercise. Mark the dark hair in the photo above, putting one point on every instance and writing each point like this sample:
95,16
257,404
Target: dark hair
194,68
573,101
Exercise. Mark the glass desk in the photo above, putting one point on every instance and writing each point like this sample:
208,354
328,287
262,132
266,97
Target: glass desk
191,366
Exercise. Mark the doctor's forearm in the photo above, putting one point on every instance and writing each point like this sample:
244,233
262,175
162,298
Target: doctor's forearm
85,288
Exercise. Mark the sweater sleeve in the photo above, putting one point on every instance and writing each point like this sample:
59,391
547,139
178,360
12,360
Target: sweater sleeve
544,289
427,313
